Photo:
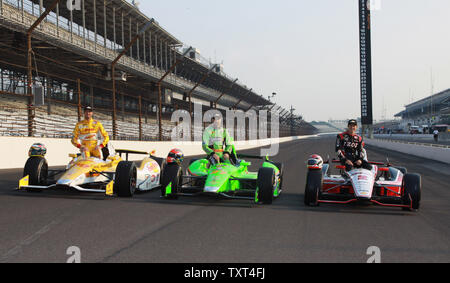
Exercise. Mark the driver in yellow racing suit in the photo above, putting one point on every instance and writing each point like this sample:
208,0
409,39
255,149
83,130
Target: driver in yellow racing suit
85,135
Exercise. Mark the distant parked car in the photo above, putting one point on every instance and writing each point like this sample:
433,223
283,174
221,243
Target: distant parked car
414,130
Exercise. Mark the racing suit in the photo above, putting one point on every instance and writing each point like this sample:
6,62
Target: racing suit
217,141
351,147
86,132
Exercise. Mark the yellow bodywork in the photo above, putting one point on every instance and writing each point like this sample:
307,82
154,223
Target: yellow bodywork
25,181
89,167
110,189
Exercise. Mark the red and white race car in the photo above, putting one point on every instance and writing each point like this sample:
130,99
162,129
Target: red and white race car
384,185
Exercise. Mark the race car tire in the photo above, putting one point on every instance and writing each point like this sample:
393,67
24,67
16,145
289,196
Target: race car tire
403,170
173,173
314,181
266,182
161,161
412,191
125,179
37,170
162,165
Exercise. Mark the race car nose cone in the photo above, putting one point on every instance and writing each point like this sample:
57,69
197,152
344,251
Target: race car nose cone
64,182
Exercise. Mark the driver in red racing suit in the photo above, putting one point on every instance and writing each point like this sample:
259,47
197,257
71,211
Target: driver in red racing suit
350,148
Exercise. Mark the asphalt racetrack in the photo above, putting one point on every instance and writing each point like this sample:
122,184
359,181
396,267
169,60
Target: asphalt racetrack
40,227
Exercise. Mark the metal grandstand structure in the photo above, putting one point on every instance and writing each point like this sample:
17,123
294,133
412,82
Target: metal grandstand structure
431,110
69,54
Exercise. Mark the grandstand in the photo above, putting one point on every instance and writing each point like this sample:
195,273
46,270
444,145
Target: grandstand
430,111
71,62
326,127
60,121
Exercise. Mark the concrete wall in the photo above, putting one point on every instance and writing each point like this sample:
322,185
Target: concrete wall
406,137
442,137
15,149
428,152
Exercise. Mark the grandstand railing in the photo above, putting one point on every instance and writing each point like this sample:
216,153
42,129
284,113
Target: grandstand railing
14,116
62,120
13,11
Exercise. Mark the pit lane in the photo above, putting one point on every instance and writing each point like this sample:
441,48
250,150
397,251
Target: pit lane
41,227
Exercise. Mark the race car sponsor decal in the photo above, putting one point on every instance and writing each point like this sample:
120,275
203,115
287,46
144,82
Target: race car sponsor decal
83,165
152,167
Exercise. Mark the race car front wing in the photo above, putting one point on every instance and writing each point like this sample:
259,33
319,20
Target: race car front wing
24,184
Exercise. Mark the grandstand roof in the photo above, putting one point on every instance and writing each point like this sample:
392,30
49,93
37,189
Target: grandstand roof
400,114
120,6
58,56
223,83
440,98
436,99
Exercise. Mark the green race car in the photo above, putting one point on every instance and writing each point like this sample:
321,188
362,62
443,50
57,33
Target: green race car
230,180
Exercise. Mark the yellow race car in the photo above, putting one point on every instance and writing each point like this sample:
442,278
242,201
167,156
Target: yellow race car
113,175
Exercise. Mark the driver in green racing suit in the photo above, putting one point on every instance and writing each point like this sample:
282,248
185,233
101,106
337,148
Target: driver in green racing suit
217,142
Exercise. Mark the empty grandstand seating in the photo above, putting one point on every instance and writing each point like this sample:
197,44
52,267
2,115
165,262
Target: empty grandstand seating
61,120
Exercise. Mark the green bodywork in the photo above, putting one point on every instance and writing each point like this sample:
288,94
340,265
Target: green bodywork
228,179
169,189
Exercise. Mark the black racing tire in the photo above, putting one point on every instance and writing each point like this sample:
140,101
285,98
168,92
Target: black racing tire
162,165
160,161
173,173
412,191
125,180
314,182
265,182
37,170
402,169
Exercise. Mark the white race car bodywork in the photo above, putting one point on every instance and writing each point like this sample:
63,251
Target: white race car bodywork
148,175
363,182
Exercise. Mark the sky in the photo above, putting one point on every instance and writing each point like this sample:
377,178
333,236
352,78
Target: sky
307,51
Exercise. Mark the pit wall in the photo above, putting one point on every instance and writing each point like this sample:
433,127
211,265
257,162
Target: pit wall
15,149
440,154
442,137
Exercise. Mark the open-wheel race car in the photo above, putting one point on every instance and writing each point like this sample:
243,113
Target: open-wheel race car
384,185
228,180
112,175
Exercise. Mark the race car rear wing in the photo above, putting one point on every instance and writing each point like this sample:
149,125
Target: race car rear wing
128,152
246,156
373,163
